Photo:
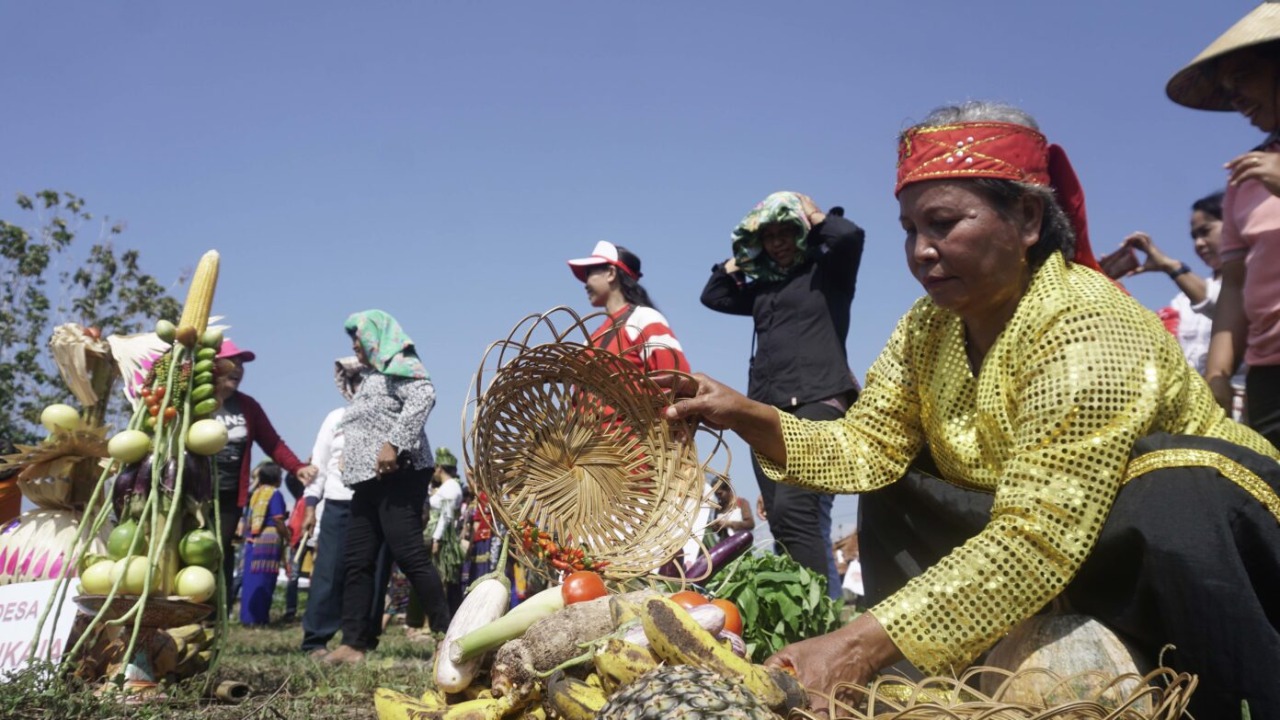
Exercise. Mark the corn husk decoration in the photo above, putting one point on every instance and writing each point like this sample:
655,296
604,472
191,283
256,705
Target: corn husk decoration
157,485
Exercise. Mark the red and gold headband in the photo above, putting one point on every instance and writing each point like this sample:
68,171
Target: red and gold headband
1004,151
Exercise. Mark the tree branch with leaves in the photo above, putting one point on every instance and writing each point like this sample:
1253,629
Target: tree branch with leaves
46,279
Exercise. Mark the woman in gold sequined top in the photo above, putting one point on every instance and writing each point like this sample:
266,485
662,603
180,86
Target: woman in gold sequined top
1115,477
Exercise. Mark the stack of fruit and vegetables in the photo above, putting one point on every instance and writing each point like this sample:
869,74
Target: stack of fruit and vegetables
158,492
37,545
58,474
586,648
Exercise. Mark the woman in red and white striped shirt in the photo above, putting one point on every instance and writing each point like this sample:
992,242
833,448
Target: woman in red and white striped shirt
634,328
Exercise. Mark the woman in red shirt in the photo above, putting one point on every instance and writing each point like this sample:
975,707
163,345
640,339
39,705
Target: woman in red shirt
634,329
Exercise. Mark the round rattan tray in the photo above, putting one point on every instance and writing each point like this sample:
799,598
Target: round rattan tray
1162,694
572,439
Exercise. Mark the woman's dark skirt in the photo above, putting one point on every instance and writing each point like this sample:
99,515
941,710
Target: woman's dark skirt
1188,557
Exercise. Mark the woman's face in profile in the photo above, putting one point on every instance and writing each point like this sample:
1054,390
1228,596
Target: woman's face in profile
358,349
229,382
967,255
1250,78
1206,235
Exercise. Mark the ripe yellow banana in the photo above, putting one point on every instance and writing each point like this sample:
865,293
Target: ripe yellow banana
434,698
678,639
190,633
619,663
392,705
534,713
573,699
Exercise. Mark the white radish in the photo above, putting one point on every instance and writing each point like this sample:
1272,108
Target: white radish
487,600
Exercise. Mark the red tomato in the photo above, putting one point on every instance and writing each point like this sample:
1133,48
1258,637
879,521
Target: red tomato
688,599
582,586
732,618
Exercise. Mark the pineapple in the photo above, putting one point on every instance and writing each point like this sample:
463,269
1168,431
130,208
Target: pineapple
684,692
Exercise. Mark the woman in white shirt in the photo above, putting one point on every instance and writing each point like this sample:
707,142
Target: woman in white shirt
1198,299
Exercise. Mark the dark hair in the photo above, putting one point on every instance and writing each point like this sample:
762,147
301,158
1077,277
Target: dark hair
451,470
632,291
1210,205
1055,229
269,474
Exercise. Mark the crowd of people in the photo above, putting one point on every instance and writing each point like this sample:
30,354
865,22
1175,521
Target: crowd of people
1029,432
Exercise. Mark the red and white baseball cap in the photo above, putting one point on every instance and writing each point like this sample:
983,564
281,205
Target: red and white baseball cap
605,253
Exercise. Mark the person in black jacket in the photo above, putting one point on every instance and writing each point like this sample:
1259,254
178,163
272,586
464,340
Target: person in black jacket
794,271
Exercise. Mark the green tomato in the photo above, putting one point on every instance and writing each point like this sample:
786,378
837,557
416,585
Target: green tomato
211,339
120,541
96,579
60,417
133,570
195,583
166,331
129,446
206,437
200,547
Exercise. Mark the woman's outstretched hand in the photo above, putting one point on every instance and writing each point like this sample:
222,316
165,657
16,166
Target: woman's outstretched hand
701,398
720,407
852,654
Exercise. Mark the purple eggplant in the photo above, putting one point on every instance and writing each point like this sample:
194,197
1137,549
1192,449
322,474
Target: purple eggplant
721,554
169,476
122,488
141,488
197,483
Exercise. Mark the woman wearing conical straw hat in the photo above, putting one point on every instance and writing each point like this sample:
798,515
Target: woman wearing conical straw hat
1240,71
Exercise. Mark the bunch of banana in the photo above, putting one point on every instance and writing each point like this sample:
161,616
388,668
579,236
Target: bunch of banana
195,648
619,663
392,705
677,639
573,699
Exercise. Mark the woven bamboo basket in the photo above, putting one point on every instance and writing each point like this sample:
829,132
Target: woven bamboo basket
1159,695
573,440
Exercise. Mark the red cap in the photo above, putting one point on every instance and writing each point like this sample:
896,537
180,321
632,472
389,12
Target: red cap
230,350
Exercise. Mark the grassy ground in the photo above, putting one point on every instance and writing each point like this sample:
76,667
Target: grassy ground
284,683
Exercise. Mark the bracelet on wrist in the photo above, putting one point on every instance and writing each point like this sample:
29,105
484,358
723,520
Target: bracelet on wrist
1183,269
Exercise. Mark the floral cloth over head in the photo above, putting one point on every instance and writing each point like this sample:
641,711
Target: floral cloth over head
385,344
748,251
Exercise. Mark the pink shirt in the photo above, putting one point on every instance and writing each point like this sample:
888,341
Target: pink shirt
1251,230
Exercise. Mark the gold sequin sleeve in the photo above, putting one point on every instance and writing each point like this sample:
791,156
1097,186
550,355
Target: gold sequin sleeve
872,446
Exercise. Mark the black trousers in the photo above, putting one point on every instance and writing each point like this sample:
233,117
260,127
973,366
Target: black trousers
800,519
1262,401
388,509
322,618
229,511
1186,558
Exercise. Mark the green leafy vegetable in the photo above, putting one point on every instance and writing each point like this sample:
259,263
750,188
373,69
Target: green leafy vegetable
781,602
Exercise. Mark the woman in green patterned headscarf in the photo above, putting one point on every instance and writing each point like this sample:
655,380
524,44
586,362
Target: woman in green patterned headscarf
380,341
387,462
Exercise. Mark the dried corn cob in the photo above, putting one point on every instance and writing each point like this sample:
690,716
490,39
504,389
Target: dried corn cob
195,314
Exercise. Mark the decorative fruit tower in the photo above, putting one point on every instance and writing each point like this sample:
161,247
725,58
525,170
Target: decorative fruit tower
142,602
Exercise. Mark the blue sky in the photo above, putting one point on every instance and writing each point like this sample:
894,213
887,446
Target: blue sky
441,160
